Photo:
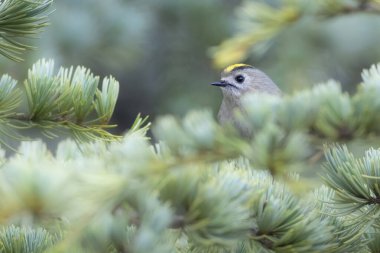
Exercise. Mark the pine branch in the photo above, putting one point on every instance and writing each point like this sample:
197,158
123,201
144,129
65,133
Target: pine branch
259,23
348,233
354,181
68,100
227,206
20,19
24,240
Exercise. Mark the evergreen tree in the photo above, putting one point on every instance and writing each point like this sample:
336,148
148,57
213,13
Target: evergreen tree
201,187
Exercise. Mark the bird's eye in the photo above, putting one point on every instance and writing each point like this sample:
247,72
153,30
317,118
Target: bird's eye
239,78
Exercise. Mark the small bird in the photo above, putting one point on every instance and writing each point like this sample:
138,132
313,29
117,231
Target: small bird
236,81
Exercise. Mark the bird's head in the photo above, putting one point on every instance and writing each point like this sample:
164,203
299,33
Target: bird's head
239,79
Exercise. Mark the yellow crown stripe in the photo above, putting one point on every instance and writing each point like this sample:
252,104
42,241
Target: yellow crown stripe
234,66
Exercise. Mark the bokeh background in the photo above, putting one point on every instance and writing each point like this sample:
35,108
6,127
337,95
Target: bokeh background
160,50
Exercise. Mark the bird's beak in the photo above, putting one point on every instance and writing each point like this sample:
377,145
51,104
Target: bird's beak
220,83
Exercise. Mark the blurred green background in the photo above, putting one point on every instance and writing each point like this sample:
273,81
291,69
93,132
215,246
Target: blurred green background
160,50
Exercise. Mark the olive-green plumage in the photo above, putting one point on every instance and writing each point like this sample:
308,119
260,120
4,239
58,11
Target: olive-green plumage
236,81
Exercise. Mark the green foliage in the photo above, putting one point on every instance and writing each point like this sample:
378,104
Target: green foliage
106,99
347,235
354,181
260,22
24,240
194,191
20,19
68,100
202,187
105,195
10,97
